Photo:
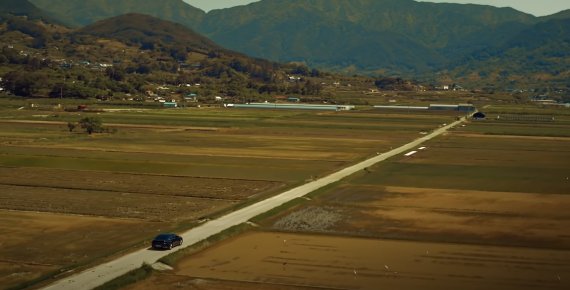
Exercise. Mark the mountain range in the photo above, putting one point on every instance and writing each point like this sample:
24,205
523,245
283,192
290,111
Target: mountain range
429,41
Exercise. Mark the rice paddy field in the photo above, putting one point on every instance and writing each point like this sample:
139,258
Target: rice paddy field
71,200
483,207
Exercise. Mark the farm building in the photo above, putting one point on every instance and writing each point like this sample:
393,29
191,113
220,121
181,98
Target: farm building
466,108
442,107
292,106
401,107
169,105
460,107
433,107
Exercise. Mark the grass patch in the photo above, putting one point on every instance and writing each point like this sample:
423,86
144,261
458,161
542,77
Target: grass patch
30,283
130,278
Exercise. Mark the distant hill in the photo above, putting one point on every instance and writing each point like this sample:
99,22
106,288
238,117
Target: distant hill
84,12
277,29
538,54
24,8
140,57
18,7
147,30
378,37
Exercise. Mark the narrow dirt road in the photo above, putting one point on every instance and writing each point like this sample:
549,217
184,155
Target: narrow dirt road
101,274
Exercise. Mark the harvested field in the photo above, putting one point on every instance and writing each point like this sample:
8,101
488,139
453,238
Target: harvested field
483,207
161,281
473,190
487,164
35,244
443,215
351,263
493,127
123,183
144,206
284,170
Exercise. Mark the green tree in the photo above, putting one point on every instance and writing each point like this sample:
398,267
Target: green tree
25,83
70,126
91,125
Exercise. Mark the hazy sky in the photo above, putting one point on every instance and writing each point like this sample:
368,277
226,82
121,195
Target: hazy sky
536,7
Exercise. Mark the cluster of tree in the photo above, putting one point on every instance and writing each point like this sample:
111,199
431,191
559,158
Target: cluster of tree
304,70
75,91
390,83
163,62
90,125
25,83
12,56
40,35
305,88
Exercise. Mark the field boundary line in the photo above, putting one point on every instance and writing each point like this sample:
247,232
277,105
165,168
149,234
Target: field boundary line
122,191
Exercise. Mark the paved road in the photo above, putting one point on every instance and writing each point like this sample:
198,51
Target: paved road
101,274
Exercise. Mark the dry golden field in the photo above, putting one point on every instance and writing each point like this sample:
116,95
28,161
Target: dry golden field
163,170
293,261
483,207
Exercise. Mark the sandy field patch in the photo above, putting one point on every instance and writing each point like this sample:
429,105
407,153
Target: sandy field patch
449,215
165,281
352,263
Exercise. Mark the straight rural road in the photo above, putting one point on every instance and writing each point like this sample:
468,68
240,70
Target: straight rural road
101,274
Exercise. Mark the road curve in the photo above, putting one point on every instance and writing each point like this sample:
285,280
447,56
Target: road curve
101,274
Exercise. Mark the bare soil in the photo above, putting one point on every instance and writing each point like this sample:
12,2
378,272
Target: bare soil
352,263
445,215
166,281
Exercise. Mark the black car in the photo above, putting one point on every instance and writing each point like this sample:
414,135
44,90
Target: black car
166,241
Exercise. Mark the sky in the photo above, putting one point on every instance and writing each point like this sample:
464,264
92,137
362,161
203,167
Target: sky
536,7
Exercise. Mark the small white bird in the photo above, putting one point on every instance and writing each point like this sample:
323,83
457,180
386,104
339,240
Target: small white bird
354,272
387,268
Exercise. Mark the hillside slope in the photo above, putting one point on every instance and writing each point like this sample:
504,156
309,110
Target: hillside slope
433,32
538,54
84,12
138,58
24,8
146,30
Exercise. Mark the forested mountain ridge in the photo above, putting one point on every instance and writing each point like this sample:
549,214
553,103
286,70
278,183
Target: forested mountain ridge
78,13
136,56
379,37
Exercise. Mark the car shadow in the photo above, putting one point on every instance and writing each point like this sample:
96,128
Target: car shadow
156,250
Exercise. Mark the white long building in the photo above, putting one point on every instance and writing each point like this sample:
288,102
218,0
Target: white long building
292,106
